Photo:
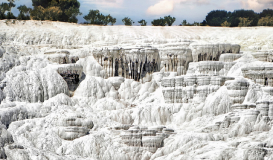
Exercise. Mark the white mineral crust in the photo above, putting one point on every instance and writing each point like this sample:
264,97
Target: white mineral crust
70,91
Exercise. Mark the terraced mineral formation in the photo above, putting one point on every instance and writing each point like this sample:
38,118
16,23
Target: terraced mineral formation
266,56
132,63
74,126
260,74
183,89
149,139
212,52
175,59
70,91
61,57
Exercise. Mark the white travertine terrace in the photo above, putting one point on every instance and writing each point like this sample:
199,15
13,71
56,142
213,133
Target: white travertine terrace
212,52
148,138
261,74
228,57
70,92
60,57
266,56
181,89
132,63
74,126
237,90
175,59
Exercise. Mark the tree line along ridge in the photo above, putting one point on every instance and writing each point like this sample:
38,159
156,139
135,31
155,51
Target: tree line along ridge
68,10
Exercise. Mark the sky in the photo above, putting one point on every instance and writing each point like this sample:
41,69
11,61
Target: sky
190,10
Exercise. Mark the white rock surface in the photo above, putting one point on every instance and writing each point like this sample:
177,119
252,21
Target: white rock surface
200,92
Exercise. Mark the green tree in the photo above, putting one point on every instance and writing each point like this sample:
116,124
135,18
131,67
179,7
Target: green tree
5,10
142,22
95,17
244,22
127,21
204,23
24,12
169,20
10,16
61,10
52,13
196,23
92,17
217,17
38,13
184,23
266,13
112,20
225,24
265,21
159,22
236,17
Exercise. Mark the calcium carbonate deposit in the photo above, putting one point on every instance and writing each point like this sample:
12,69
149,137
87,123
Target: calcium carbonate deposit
74,92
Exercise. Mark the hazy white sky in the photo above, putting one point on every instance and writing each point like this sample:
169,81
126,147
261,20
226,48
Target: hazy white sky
191,10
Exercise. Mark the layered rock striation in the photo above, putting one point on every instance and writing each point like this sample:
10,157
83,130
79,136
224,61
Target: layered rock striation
260,74
148,138
182,89
74,126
